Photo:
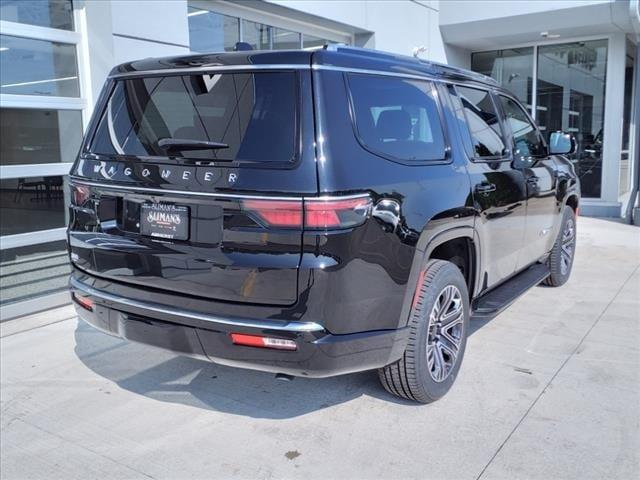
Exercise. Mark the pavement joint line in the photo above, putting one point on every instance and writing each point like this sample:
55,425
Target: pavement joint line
84,447
573,352
36,327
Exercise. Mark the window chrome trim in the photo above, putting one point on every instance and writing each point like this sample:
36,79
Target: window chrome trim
212,68
156,191
167,310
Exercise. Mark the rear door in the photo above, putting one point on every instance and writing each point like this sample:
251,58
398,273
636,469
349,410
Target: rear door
172,187
499,191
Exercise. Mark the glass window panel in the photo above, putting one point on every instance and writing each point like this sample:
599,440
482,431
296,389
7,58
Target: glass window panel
43,13
29,136
285,39
34,270
526,138
252,114
38,67
309,41
397,118
571,97
257,35
483,122
212,32
512,68
31,204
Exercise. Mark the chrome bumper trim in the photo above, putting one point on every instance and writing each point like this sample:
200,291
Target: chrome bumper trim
296,327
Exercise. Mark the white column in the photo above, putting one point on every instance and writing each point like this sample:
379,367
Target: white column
613,117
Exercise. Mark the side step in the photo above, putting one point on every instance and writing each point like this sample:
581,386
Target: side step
495,301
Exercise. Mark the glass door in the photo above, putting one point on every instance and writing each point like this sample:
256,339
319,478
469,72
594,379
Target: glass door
570,92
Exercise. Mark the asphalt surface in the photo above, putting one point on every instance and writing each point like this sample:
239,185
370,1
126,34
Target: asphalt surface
549,389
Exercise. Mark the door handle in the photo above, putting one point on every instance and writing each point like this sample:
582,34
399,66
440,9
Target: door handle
485,187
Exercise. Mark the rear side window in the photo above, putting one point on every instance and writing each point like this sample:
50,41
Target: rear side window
483,121
246,117
397,118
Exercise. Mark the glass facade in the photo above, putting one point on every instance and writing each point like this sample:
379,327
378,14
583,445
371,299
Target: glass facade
32,204
513,68
41,13
38,67
41,124
35,136
570,95
212,32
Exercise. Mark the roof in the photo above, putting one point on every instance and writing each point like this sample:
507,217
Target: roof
334,56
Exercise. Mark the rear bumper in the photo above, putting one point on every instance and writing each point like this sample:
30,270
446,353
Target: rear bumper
188,332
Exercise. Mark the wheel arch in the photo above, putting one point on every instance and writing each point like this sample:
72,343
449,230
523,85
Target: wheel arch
425,249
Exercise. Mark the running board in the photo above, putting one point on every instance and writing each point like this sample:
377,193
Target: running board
495,301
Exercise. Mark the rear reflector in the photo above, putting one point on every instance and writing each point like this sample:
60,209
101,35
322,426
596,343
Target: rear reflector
315,214
84,302
80,194
263,342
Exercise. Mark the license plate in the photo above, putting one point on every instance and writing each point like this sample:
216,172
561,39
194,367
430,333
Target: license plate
164,220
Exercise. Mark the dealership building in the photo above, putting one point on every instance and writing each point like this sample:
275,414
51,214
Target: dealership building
572,63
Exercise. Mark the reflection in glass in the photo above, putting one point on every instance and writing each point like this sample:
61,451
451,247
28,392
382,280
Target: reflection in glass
29,136
38,67
483,122
570,97
42,13
285,39
257,35
27,272
512,68
212,32
31,204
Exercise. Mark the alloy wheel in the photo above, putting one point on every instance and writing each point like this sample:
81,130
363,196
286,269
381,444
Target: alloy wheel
567,246
446,324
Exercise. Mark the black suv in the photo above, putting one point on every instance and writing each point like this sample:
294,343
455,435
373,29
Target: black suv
314,213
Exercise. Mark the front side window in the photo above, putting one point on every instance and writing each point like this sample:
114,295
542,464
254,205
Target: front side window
484,125
244,117
397,118
526,137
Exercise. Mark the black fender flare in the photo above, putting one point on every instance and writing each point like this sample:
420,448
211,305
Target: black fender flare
427,243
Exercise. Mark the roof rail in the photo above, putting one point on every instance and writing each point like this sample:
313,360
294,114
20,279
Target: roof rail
447,70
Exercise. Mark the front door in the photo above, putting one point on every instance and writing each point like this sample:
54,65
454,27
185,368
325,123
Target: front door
531,157
499,190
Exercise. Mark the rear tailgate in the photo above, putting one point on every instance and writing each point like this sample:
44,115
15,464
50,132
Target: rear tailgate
163,188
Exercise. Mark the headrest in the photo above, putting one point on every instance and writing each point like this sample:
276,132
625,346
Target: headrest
394,125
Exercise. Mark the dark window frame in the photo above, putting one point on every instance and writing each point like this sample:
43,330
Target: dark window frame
447,157
507,156
507,127
108,90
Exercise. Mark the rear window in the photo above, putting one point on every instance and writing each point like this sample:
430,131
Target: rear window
483,122
227,117
397,118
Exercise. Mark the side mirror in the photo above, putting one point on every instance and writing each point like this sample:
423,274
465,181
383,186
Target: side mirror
561,143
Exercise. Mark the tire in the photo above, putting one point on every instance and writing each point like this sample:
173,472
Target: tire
560,259
417,376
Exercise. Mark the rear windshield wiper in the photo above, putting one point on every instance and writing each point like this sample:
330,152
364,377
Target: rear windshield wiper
186,144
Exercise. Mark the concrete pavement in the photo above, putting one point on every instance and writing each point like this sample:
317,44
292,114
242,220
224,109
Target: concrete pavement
549,389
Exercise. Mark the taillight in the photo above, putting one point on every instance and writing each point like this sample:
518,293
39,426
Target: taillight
314,213
276,213
79,194
84,302
326,213
263,342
